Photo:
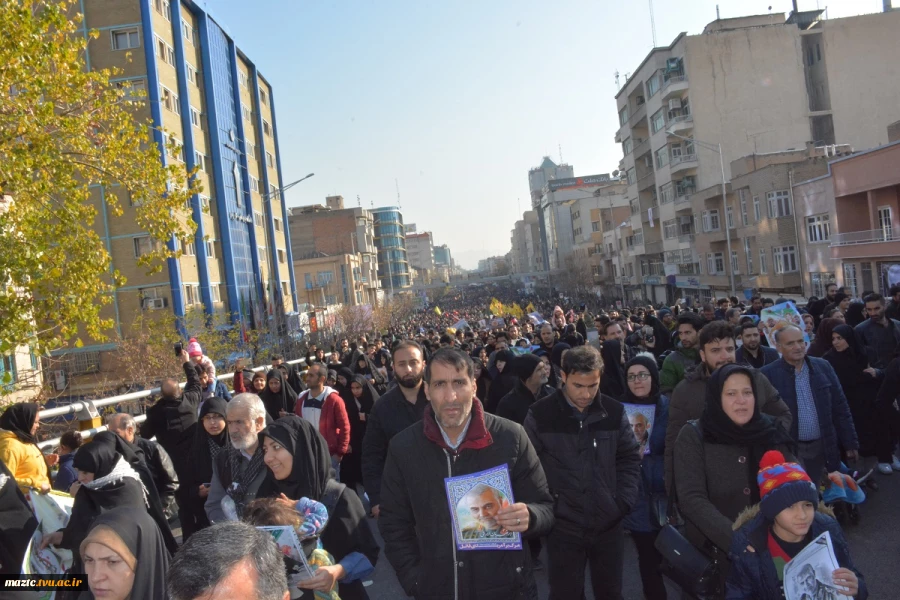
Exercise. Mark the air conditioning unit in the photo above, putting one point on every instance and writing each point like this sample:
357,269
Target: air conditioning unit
153,303
675,104
640,100
59,380
673,64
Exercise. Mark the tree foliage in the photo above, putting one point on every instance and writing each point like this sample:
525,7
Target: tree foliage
67,133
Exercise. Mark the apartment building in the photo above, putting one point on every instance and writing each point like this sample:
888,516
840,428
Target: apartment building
329,280
333,230
420,251
205,93
850,223
591,215
754,85
390,242
526,255
538,179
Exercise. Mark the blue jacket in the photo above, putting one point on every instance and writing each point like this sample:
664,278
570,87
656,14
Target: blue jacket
652,483
770,355
218,389
66,475
835,421
753,575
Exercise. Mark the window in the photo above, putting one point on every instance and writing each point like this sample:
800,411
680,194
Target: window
744,219
267,129
710,220
779,204
735,267
189,249
763,267
820,281
719,261
653,85
729,217
595,225
254,184
251,150
785,259
756,213
269,160
631,178
200,160
245,112
662,157
210,248
263,98
818,229
282,256
657,121
144,245
125,39
170,101
277,224
191,73
204,203
262,254
850,280
163,8
627,146
670,230
134,88
187,31
884,223
191,294
195,117
749,256
242,79
285,291
178,152
215,292
258,218
623,115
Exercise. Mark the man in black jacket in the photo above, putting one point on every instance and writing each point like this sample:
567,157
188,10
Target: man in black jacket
457,438
173,422
532,375
396,410
752,352
590,456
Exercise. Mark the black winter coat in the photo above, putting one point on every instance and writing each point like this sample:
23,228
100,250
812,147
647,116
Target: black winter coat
173,422
592,467
390,415
514,405
415,520
160,464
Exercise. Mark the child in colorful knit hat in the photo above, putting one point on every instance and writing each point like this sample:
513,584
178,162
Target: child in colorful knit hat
768,535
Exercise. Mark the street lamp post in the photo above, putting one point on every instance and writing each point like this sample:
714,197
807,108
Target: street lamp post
717,148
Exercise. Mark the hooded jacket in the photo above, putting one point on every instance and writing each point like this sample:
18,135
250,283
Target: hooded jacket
416,524
592,466
675,366
689,400
753,575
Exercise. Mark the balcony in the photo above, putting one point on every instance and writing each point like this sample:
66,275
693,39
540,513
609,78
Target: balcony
864,244
682,162
681,123
641,148
674,86
646,182
640,113
682,202
653,247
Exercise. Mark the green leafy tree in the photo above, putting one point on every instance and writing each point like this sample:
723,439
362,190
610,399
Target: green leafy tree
65,134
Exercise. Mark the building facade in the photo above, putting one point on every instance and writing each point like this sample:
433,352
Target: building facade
538,179
205,93
420,251
390,241
329,280
755,85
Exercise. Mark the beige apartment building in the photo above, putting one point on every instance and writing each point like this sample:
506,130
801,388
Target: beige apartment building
329,280
754,85
591,214
204,92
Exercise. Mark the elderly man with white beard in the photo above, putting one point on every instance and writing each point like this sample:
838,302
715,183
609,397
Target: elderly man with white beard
238,473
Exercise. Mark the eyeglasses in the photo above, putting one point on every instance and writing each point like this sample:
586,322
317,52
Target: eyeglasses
212,418
644,376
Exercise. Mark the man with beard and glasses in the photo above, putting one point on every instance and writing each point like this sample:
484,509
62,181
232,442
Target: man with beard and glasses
396,410
238,473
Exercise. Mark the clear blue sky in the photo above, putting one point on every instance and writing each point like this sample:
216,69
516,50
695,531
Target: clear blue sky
456,99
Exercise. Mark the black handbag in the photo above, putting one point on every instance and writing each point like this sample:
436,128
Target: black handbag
696,574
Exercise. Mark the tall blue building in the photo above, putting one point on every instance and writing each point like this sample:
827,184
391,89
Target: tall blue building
390,240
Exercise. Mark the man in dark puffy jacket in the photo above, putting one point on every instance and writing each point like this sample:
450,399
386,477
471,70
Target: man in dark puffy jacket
590,456
456,438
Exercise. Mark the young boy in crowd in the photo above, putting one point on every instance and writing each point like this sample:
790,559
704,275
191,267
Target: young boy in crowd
771,533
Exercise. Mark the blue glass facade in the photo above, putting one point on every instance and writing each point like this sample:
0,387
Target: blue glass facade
390,241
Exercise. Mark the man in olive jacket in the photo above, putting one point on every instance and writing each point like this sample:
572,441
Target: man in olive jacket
590,456
457,438
688,401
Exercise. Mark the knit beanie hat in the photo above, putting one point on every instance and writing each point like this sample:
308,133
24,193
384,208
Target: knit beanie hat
194,348
782,484
524,366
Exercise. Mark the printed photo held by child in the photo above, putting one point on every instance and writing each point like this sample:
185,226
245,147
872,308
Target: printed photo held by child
768,535
308,518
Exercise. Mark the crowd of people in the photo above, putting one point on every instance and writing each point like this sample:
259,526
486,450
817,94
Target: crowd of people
653,418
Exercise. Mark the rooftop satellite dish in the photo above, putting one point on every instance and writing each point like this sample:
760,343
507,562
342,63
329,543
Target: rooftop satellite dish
615,173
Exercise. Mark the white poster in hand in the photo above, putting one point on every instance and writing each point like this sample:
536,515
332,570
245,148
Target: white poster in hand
808,576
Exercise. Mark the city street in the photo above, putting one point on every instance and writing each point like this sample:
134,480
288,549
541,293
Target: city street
875,544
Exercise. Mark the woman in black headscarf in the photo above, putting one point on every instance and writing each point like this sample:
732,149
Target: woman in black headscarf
136,461
856,313
365,367
17,523
503,382
717,459
210,439
613,381
344,378
859,381
125,556
19,450
107,482
359,400
278,397
482,380
556,356
300,467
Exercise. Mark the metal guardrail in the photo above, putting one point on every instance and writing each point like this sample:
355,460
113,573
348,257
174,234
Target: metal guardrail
677,160
83,405
872,236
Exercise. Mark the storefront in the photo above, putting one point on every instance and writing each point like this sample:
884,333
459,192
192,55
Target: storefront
692,290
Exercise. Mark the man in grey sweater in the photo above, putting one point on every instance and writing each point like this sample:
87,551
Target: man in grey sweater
717,348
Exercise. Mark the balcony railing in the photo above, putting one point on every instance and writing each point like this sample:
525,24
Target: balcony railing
646,181
653,247
686,238
641,148
681,119
873,236
677,160
671,80
684,199
639,113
